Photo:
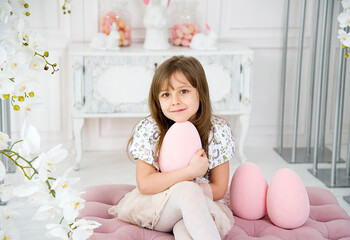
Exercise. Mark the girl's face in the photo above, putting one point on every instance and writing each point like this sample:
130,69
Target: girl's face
181,101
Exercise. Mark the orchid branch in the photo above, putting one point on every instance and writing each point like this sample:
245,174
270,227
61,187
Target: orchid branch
44,56
6,153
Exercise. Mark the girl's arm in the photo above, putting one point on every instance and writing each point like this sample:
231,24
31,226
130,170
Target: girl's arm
150,181
219,179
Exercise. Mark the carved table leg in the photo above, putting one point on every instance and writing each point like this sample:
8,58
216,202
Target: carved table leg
243,124
78,124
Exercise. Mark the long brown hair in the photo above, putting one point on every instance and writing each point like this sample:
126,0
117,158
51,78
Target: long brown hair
192,69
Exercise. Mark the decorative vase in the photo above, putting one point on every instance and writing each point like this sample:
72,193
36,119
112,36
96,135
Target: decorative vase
185,22
115,11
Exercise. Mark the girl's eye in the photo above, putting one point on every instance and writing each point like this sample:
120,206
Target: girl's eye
164,95
184,91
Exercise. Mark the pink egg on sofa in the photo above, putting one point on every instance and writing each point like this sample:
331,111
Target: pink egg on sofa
248,192
180,143
287,201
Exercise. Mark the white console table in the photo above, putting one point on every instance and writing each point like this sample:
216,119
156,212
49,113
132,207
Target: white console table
109,84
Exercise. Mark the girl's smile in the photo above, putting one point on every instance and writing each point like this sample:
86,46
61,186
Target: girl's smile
179,100
180,110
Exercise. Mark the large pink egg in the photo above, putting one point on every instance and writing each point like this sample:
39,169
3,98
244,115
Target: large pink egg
248,192
288,204
180,143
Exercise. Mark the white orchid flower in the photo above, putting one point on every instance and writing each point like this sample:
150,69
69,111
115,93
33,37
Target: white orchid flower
35,190
344,37
5,192
18,63
9,42
45,212
57,231
2,171
56,155
71,207
346,4
4,140
5,30
6,48
5,11
6,86
3,55
37,64
84,229
25,190
26,81
64,184
344,19
7,215
23,31
47,162
37,42
41,166
31,139
9,233
39,197
18,12
32,106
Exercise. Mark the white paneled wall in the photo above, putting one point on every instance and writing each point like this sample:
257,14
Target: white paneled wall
254,23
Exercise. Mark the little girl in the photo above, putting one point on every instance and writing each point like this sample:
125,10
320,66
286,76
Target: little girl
172,201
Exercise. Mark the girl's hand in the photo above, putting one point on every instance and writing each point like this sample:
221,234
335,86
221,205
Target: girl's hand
199,164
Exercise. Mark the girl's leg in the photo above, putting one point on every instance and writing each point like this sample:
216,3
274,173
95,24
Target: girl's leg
180,231
187,201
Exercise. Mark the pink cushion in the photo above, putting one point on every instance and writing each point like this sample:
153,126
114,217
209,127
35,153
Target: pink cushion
287,192
182,136
327,220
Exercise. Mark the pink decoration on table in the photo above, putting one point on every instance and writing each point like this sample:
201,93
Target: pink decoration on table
121,26
183,32
111,14
102,41
180,143
147,2
201,41
287,200
177,42
207,27
185,42
248,192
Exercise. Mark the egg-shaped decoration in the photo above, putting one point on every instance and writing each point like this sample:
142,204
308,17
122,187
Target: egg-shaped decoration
287,201
248,192
180,143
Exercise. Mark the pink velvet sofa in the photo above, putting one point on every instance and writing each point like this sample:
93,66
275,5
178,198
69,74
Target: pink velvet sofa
327,219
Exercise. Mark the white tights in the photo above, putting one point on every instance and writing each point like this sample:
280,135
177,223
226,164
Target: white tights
186,213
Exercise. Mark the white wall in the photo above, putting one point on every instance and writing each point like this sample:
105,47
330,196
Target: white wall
255,23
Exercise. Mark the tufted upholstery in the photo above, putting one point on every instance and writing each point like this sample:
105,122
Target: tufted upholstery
327,219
